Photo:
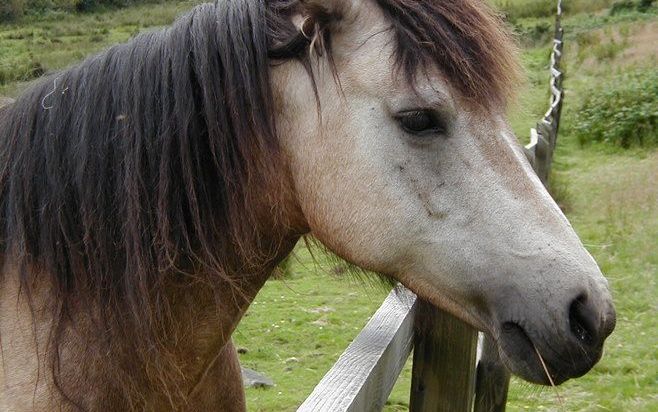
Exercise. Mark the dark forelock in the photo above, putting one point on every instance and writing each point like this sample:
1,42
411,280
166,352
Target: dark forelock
464,39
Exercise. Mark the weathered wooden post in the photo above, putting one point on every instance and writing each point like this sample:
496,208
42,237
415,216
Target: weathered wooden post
492,381
443,376
543,152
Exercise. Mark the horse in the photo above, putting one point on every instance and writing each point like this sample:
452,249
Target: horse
147,194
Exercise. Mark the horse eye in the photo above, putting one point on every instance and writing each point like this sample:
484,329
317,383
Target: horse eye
421,122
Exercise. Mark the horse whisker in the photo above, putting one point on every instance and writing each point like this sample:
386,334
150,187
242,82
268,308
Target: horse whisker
550,379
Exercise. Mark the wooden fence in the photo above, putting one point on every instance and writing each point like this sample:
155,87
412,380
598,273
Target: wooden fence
454,369
543,138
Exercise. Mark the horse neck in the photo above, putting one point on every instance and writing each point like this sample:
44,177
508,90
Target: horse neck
205,317
235,298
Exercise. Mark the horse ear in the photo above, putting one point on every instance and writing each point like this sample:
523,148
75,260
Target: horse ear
320,15
336,8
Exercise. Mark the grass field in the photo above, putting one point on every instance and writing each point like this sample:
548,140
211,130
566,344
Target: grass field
299,325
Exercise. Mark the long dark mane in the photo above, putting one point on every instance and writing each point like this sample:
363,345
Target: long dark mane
141,167
146,165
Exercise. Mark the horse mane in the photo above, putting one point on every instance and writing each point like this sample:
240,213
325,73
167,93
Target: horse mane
144,166
152,162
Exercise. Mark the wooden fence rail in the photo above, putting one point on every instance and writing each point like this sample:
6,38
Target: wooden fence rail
445,377
364,375
543,137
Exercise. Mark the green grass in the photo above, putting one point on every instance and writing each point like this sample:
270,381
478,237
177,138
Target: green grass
301,322
55,40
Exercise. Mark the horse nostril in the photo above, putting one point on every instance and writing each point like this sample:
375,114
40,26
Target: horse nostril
582,320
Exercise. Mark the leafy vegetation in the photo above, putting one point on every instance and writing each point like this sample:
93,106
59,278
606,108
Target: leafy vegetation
629,5
623,111
302,320
13,9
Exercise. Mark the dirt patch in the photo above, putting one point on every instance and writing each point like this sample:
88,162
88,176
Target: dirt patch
642,44
633,181
621,46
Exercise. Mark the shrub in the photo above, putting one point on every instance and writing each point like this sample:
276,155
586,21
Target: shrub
11,9
85,5
535,33
623,111
621,6
515,9
90,5
644,5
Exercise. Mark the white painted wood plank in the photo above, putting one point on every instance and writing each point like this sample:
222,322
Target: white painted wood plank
364,375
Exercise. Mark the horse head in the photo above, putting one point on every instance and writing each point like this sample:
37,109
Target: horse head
408,168
147,193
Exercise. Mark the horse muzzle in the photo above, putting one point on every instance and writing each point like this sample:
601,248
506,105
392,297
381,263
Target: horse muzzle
564,345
